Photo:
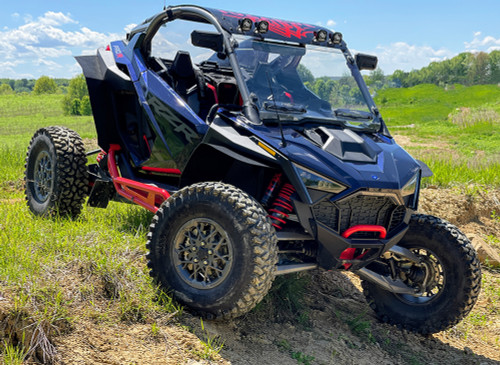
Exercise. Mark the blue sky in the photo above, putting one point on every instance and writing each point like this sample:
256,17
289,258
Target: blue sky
41,37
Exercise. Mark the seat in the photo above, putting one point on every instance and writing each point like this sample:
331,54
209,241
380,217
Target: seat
189,83
183,74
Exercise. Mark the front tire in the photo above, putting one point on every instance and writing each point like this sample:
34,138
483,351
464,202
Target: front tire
448,278
56,177
212,246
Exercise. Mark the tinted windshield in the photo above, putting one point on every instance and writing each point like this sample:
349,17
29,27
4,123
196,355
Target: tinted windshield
301,83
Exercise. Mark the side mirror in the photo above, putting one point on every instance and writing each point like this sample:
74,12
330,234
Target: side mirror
211,40
366,62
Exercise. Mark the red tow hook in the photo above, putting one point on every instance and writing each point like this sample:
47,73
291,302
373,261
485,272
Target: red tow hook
348,253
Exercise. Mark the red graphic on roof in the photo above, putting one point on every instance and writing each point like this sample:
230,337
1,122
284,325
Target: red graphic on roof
281,27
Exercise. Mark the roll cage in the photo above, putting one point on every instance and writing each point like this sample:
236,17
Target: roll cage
228,23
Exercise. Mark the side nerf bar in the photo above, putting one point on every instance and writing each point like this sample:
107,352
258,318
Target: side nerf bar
147,196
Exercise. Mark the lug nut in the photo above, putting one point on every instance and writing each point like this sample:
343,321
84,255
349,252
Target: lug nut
210,252
196,260
205,262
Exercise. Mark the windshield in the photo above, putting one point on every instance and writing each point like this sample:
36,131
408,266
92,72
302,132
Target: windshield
298,83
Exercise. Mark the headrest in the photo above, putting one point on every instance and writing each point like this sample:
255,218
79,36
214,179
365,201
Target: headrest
182,66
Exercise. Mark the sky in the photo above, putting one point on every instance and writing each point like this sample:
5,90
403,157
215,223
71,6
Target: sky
42,37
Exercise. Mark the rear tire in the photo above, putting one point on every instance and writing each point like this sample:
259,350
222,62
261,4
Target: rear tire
449,279
213,248
56,177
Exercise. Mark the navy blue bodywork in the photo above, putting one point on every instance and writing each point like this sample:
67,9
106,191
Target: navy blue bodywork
136,108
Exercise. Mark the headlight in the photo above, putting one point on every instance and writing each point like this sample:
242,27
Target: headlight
314,181
410,186
410,191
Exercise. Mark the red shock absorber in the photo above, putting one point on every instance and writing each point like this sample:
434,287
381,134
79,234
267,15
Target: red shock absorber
275,181
282,206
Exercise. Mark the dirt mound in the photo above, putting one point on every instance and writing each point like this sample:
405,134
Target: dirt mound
473,210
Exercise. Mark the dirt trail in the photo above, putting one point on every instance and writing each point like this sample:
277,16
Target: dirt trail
334,325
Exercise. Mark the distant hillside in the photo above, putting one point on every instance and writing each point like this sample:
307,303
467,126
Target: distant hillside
429,103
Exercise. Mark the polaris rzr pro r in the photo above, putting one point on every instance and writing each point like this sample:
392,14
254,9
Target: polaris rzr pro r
254,170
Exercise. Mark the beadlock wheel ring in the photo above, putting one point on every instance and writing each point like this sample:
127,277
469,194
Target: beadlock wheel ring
202,253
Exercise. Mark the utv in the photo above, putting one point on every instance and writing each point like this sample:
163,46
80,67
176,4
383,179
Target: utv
253,170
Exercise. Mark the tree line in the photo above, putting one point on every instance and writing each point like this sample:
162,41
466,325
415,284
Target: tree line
465,68
76,97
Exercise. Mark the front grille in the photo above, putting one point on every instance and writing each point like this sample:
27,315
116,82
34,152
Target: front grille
360,209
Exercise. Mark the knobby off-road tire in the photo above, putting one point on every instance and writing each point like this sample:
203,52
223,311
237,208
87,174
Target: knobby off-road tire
453,263
56,178
213,248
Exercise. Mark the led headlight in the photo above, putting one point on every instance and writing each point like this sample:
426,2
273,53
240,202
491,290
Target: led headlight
313,180
410,191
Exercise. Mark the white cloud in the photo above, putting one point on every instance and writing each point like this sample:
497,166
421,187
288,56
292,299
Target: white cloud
129,27
48,42
486,43
329,23
51,64
27,18
404,56
52,18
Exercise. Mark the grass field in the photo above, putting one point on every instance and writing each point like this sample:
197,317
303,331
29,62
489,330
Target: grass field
39,257
456,131
55,273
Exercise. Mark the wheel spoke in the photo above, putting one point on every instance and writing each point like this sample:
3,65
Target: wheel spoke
202,253
428,277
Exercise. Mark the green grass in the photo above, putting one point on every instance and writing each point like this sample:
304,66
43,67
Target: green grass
431,103
51,269
22,115
456,131
448,172
96,263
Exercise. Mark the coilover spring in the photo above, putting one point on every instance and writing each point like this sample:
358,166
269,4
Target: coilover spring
282,206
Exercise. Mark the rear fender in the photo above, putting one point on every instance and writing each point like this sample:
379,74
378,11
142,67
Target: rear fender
104,80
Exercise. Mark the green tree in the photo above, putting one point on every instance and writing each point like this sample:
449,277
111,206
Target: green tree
305,74
75,107
5,89
73,100
376,79
479,71
21,86
45,85
494,66
399,78
85,107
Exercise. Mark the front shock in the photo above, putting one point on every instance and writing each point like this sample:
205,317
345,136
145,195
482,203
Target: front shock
282,206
